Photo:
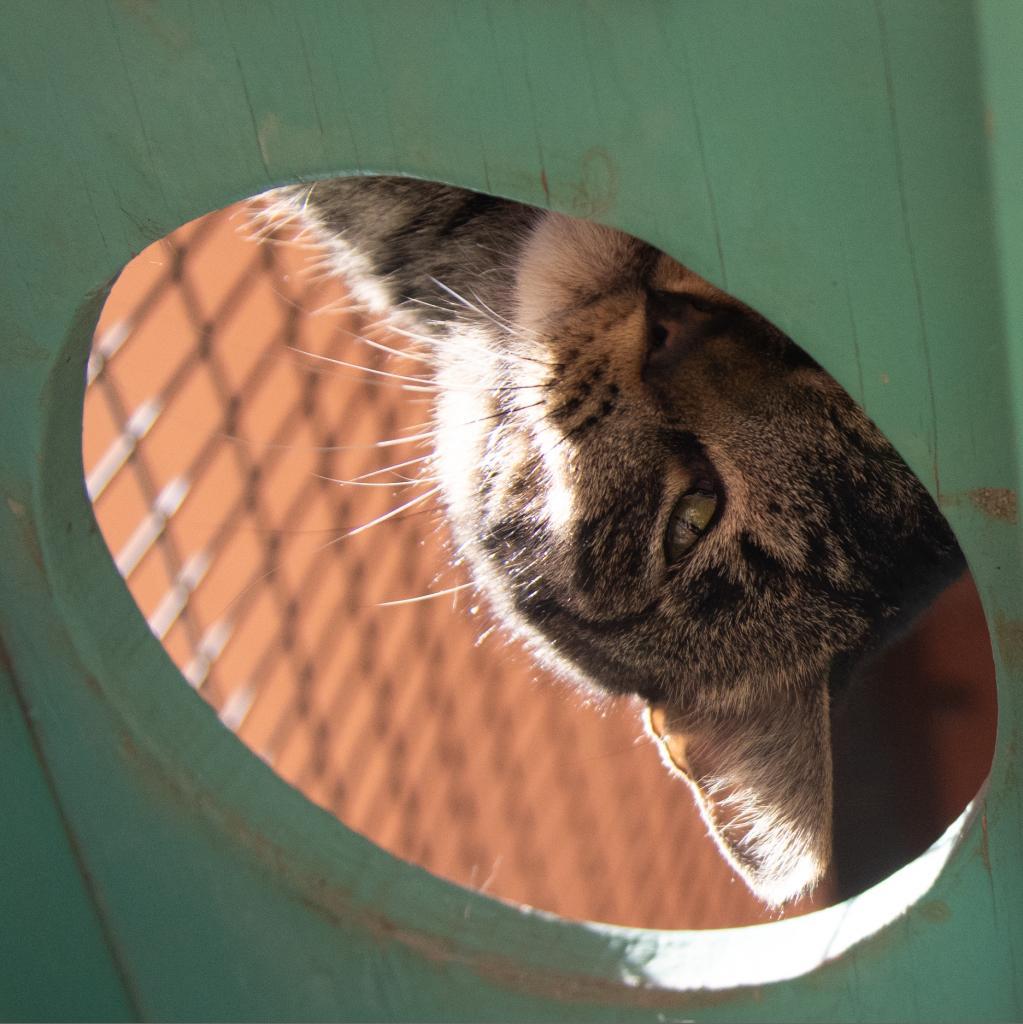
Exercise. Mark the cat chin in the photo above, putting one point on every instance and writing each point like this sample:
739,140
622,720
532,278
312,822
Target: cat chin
773,826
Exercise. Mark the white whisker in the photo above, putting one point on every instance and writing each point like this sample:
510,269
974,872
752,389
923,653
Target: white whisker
518,330
424,339
419,381
425,597
400,353
390,443
337,374
497,322
388,515
343,305
405,482
393,468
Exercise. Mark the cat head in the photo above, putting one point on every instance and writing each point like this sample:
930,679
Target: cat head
667,497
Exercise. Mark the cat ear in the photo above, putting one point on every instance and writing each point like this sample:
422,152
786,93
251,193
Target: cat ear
763,784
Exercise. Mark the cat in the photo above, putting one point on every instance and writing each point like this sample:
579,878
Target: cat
656,489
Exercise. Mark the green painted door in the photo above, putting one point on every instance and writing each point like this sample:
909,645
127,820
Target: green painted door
852,170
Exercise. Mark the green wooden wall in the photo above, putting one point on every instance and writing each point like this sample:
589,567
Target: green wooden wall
854,170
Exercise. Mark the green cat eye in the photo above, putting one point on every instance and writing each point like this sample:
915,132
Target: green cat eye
688,522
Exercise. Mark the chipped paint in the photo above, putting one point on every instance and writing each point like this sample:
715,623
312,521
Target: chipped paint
984,849
594,194
28,532
267,134
935,911
1009,640
996,503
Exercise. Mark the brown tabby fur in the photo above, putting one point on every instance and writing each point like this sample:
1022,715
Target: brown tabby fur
587,381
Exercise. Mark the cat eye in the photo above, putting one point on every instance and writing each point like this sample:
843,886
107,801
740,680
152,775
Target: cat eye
688,522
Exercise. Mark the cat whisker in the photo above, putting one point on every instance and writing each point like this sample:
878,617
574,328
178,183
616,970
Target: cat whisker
380,346
502,413
423,382
325,269
426,435
519,334
502,389
393,513
389,443
343,305
406,482
423,339
336,374
256,223
516,330
426,304
441,344
463,301
284,531
267,225
388,515
492,318
307,196
436,343
406,516
481,639
289,301
393,468
425,597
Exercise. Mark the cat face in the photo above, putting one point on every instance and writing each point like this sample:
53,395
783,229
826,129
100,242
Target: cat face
666,497
659,491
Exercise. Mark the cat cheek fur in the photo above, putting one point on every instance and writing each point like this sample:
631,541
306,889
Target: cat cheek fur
562,447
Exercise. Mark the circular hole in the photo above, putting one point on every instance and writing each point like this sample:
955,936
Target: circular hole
233,385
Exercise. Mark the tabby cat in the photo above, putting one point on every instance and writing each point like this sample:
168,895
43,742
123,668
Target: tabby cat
655,488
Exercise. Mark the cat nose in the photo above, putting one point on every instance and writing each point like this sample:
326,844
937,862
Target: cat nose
675,325
665,347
